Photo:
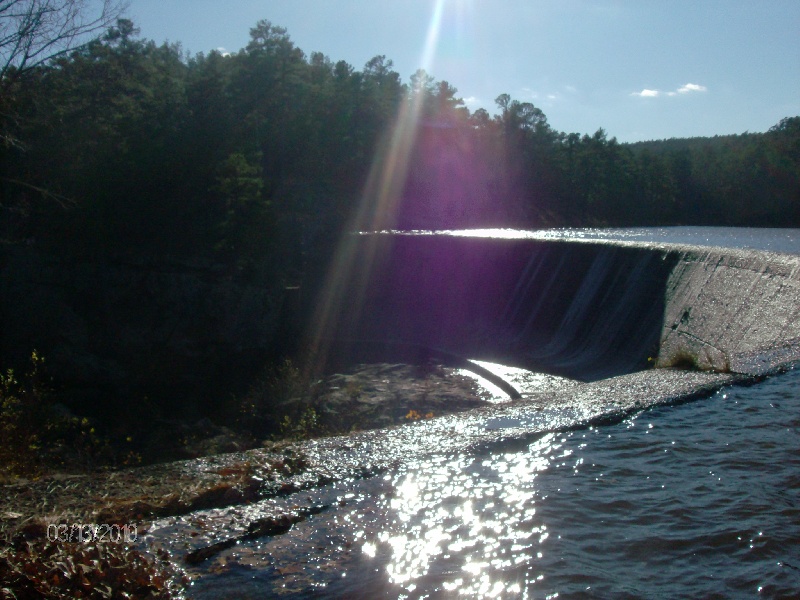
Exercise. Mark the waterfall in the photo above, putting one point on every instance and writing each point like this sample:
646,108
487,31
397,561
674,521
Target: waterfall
587,311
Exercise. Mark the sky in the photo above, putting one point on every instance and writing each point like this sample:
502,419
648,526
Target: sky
640,69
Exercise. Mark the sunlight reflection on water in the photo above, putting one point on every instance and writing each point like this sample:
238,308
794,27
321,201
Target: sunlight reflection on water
760,238
483,527
466,525
524,381
650,507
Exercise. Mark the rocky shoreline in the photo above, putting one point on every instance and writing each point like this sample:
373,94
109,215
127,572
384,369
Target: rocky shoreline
364,398
187,512
142,494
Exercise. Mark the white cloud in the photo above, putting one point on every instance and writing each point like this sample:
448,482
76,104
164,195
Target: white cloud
692,87
684,89
471,101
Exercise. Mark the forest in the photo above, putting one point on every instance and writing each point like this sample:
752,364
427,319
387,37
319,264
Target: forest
125,146
155,206
167,222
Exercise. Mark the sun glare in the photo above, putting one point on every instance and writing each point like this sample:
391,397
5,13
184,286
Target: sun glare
348,274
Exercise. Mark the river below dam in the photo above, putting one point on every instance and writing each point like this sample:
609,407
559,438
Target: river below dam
696,498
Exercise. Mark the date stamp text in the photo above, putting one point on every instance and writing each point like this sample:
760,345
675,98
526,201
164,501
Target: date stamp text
92,532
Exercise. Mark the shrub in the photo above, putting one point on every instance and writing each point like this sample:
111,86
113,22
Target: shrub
280,403
22,408
37,435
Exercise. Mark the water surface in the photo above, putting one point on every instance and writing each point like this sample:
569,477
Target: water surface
784,240
698,500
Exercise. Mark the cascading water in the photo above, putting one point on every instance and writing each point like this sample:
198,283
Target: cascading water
588,312
597,321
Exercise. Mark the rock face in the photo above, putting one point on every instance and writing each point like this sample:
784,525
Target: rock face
174,330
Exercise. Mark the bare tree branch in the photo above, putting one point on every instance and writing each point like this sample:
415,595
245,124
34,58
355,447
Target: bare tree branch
45,193
33,32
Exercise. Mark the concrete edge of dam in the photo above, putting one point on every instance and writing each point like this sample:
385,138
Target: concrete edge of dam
732,311
727,309
590,309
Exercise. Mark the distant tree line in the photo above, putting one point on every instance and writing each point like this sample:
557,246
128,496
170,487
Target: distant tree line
260,157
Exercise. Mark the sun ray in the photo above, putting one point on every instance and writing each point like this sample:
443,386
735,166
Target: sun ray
356,256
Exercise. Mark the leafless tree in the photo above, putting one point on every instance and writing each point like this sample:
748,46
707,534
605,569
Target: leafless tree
33,32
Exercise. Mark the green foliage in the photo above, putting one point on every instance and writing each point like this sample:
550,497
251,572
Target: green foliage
38,436
282,404
265,152
305,425
246,221
278,386
22,414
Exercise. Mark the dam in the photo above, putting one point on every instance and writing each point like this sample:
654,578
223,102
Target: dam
589,310
617,486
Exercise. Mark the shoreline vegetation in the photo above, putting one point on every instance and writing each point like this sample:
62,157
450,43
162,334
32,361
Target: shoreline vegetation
159,213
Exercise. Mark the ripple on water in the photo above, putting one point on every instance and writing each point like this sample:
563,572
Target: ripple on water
696,500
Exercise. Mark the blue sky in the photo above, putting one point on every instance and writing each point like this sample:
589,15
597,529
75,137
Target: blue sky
641,69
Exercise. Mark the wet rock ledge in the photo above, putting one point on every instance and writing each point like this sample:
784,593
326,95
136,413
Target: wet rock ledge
143,494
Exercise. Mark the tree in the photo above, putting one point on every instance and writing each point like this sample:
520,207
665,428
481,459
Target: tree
33,32
518,115
240,186
423,87
107,128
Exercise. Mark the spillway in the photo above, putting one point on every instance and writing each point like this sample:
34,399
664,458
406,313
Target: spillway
589,310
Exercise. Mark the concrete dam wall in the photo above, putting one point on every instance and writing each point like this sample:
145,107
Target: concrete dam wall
585,310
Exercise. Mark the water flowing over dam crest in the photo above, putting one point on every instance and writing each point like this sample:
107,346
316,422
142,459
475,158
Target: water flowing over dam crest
587,310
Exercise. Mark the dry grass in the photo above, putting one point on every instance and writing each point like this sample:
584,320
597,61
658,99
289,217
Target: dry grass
38,568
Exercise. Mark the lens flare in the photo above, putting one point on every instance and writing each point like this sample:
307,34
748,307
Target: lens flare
355,259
